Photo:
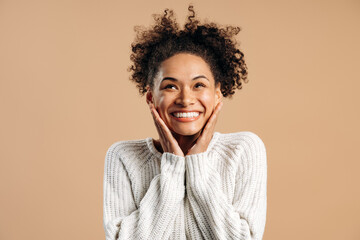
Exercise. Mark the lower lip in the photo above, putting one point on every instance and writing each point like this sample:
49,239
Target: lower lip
185,119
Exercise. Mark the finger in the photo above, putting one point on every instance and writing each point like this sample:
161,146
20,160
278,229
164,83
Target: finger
166,131
217,110
214,116
159,122
156,118
166,138
209,127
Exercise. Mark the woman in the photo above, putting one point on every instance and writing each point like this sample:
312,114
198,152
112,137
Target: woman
191,183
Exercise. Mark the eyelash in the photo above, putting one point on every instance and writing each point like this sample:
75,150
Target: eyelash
169,86
199,84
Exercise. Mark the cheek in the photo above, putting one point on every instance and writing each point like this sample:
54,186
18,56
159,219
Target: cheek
208,101
161,104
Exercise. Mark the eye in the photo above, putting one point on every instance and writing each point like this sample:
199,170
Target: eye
199,85
170,86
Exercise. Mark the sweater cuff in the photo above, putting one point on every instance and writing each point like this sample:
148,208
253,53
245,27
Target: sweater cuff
172,164
197,166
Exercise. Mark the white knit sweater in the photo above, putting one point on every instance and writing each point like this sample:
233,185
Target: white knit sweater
218,194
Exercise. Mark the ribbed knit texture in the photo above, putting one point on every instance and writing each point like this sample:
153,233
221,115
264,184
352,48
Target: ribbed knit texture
218,194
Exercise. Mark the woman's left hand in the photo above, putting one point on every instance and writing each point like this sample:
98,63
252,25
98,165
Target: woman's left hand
205,137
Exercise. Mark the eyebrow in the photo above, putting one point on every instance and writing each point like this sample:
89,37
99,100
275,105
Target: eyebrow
175,80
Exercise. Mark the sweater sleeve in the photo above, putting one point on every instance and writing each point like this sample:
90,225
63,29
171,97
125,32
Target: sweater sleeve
243,218
154,218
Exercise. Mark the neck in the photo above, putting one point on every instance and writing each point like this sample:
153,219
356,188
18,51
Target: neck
185,142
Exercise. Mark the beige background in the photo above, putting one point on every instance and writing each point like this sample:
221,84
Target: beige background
65,98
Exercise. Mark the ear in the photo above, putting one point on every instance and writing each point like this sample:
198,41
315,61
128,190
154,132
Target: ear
218,94
149,96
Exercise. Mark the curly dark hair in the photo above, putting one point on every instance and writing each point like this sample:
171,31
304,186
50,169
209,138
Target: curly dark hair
215,44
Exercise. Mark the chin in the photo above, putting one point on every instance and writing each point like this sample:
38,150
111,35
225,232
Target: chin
186,132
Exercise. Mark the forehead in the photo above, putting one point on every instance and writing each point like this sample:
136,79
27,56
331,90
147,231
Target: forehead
184,65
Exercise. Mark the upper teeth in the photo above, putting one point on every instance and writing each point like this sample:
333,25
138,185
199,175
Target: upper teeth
186,114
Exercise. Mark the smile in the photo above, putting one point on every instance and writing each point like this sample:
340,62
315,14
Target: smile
185,116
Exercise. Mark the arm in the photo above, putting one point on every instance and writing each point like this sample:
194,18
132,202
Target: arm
217,218
154,218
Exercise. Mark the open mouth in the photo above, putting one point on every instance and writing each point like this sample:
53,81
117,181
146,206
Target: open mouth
185,116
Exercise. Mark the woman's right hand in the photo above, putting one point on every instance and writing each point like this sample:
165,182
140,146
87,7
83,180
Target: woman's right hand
167,140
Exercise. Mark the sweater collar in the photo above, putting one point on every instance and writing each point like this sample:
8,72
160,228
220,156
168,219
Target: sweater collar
153,150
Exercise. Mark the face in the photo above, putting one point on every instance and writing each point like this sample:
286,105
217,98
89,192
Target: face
184,93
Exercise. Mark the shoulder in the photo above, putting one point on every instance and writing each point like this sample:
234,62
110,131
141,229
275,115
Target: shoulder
120,150
244,146
241,139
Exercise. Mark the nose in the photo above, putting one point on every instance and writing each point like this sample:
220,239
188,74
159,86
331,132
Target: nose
185,98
